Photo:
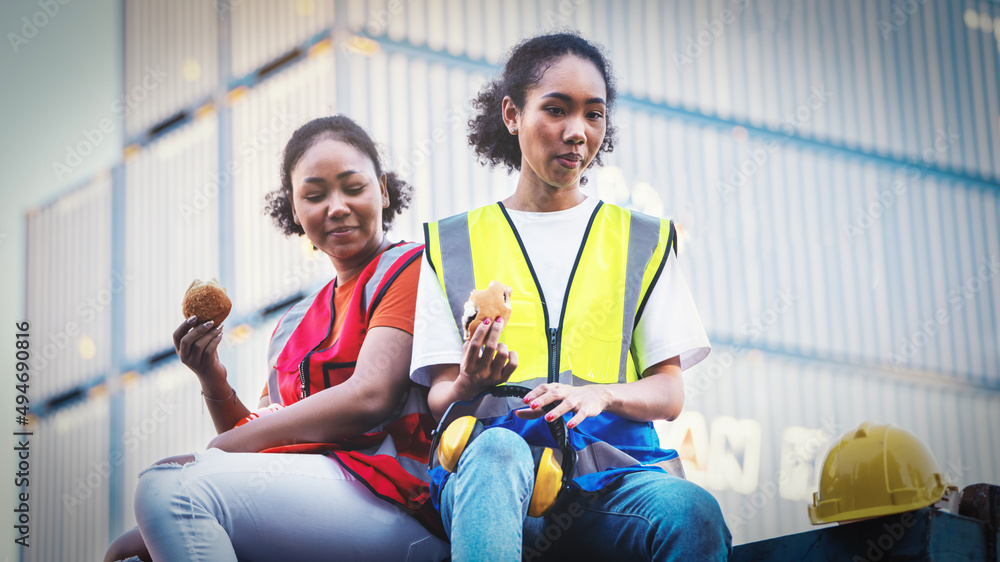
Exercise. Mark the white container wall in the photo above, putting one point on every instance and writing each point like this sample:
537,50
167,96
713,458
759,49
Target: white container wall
69,484
171,231
423,127
756,428
171,60
876,262
264,30
270,267
70,287
889,79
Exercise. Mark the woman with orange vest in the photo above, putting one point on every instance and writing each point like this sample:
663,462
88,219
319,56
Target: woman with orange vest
601,326
338,386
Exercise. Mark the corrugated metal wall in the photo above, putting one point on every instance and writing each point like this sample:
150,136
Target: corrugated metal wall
268,266
69,488
171,235
878,262
833,167
70,288
894,76
756,427
171,59
262,30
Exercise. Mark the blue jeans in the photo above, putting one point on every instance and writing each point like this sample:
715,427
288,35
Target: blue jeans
644,516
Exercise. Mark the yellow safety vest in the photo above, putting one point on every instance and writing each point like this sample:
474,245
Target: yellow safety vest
620,257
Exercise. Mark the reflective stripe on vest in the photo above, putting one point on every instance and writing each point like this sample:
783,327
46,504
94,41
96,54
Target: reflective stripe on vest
373,281
607,290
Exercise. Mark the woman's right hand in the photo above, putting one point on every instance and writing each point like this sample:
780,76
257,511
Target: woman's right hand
197,346
485,362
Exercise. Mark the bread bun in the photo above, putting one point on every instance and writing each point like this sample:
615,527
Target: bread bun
489,303
207,300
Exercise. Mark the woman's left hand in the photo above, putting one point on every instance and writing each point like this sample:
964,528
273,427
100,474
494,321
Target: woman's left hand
585,401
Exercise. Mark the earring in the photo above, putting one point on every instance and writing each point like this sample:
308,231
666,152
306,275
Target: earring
513,130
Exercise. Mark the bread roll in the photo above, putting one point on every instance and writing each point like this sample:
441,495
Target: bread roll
207,300
489,303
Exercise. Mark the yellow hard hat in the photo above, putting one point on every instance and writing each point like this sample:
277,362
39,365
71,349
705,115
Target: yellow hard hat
876,470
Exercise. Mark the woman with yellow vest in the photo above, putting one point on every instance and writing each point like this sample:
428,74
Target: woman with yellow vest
601,328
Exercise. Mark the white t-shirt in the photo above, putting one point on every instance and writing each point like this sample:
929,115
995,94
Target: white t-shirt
669,325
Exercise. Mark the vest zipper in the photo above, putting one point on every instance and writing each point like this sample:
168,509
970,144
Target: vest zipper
304,374
553,354
304,365
555,334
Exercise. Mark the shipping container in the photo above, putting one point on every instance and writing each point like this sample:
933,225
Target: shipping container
882,77
171,60
70,484
268,265
264,31
70,285
171,222
867,261
756,428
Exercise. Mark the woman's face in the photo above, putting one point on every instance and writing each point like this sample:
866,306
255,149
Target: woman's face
563,122
338,201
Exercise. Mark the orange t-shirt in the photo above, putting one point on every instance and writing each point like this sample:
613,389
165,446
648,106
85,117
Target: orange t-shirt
396,310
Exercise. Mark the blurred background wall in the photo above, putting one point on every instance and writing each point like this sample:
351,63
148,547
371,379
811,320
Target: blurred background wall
834,168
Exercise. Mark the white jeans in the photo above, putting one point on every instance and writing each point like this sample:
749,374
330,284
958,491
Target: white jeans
252,506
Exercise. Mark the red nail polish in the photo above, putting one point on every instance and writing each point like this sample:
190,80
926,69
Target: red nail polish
526,399
549,417
499,319
570,425
486,322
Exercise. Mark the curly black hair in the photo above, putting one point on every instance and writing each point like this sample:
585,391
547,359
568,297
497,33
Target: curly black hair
341,128
489,137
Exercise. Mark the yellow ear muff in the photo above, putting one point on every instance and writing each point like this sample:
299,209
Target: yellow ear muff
548,481
548,472
455,438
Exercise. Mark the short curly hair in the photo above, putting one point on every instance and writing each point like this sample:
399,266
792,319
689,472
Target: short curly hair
340,128
489,137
